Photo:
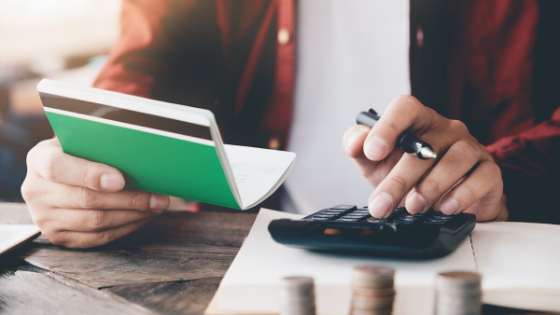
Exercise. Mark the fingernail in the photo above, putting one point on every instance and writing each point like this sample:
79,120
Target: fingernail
415,203
111,182
353,137
158,202
381,205
450,206
375,148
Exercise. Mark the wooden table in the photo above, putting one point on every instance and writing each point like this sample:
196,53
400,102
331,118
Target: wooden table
173,265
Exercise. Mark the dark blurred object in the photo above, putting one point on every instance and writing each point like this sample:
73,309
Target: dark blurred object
18,134
498,310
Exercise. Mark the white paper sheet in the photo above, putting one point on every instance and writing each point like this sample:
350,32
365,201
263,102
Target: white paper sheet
249,286
520,264
258,172
11,235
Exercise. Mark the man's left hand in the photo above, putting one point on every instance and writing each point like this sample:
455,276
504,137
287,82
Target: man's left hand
464,177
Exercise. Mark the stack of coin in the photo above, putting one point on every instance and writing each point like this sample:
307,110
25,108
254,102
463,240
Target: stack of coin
372,290
297,296
458,293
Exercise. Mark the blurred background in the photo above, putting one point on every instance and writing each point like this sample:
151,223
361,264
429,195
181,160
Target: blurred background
64,40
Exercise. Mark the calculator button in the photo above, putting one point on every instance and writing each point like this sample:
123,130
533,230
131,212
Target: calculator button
344,207
347,220
377,221
441,214
439,217
413,216
330,212
318,219
398,222
406,219
358,213
435,221
349,216
328,216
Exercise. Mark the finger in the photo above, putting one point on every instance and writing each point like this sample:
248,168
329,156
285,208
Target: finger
74,197
353,140
73,239
503,213
404,113
51,163
80,220
405,175
461,157
376,172
401,204
480,193
391,190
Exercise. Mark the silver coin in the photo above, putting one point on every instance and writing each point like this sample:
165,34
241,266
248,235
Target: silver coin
372,292
456,312
297,311
297,296
388,311
372,304
297,281
296,291
461,278
373,274
462,306
446,299
377,283
298,299
294,307
460,294
362,274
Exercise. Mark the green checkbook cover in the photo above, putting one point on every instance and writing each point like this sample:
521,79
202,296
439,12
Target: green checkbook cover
164,148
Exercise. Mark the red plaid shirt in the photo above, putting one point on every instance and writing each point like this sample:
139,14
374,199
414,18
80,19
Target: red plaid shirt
491,67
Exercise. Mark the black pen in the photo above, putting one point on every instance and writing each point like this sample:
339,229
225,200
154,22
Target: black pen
407,142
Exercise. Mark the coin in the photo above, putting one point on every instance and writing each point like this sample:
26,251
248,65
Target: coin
459,293
372,290
297,296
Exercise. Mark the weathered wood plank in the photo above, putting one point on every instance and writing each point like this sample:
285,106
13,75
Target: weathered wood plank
187,297
25,292
172,265
176,246
121,267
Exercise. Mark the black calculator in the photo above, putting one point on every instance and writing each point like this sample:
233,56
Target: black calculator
349,229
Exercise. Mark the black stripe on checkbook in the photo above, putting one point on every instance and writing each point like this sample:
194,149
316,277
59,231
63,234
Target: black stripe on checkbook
125,116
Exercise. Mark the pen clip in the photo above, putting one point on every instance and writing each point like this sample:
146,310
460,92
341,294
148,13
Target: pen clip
374,114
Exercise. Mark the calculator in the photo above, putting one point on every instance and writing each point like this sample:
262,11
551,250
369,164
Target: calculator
352,230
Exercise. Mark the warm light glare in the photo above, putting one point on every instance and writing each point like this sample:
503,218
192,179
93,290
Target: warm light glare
35,28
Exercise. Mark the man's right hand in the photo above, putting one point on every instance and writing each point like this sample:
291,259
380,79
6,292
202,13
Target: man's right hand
78,203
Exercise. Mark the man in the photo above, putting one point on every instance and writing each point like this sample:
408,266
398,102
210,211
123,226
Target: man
477,61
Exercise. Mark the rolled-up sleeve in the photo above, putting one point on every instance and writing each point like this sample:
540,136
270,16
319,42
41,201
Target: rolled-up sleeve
137,56
530,164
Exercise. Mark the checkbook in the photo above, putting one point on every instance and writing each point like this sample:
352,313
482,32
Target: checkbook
163,148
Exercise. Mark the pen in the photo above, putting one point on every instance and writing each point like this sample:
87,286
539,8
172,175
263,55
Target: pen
407,142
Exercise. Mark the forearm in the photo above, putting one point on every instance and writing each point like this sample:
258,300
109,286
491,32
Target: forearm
529,164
